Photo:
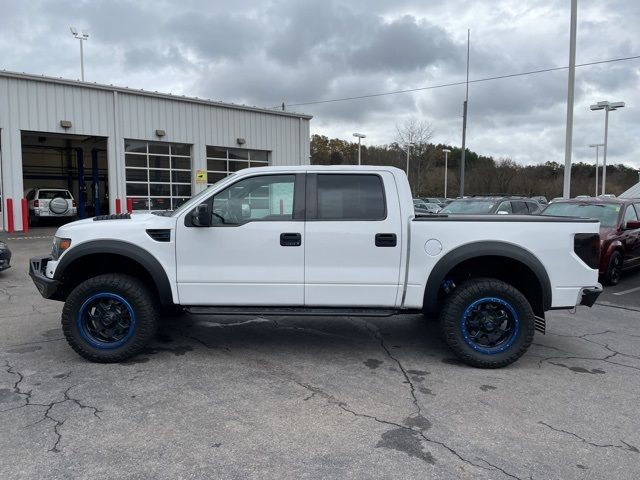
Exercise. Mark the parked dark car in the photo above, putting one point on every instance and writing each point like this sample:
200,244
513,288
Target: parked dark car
493,205
435,200
619,230
5,256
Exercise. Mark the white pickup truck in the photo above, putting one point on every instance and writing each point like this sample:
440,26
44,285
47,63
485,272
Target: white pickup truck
318,241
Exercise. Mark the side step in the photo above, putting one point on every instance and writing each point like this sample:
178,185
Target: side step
296,311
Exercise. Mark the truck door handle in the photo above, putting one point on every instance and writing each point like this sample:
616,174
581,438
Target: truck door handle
290,239
386,240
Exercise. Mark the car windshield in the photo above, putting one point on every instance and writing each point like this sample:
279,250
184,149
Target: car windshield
195,200
469,206
49,194
607,213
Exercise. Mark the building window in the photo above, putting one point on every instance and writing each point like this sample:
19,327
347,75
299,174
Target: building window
158,175
222,161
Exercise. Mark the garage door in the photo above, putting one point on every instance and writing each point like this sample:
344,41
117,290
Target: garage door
158,174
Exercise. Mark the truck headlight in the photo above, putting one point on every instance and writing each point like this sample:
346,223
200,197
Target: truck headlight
59,246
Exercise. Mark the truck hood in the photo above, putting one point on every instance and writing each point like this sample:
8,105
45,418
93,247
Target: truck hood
114,228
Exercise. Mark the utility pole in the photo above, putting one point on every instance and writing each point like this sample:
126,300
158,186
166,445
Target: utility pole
464,121
566,191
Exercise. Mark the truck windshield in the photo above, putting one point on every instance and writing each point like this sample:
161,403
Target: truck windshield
606,213
469,206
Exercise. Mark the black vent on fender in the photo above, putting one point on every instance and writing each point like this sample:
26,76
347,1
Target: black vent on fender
113,216
160,235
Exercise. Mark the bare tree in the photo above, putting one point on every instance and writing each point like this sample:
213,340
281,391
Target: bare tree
415,131
418,133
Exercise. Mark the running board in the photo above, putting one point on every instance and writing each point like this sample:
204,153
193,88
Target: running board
296,311
541,325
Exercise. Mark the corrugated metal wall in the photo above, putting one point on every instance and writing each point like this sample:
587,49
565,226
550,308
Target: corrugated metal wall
29,103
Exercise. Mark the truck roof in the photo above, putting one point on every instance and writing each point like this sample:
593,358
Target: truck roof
327,168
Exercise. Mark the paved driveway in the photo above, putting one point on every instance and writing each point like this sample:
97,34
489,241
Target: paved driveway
250,397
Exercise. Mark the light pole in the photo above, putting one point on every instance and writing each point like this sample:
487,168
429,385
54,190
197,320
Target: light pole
597,146
607,107
566,189
446,158
360,137
82,36
409,145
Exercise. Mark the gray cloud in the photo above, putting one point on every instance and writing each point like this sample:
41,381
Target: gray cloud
261,53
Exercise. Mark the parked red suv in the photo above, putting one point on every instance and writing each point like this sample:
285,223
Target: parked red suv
619,230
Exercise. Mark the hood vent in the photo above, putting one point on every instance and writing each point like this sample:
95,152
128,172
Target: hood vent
113,216
160,235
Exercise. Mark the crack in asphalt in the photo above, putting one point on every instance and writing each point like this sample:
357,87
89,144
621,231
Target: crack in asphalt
378,336
627,447
16,385
606,346
501,469
619,307
48,406
32,343
413,430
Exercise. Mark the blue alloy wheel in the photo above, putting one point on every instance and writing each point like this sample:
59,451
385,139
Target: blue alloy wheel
490,325
106,320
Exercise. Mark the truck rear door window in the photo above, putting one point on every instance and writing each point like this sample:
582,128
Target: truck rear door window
350,197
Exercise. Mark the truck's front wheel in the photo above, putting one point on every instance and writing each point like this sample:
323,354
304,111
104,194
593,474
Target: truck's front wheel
487,323
110,318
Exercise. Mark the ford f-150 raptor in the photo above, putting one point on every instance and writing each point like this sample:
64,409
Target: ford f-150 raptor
317,240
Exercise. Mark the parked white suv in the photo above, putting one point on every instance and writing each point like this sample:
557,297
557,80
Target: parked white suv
50,203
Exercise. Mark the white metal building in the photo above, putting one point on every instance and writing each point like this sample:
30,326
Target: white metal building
108,144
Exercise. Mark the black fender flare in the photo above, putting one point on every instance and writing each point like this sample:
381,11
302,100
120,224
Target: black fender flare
124,249
484,249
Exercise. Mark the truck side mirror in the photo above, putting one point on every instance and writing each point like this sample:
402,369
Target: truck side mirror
201,216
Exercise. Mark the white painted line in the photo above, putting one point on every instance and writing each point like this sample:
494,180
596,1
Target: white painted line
29,238
624,292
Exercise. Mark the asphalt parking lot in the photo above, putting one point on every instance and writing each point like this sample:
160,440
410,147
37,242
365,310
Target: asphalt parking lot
251,397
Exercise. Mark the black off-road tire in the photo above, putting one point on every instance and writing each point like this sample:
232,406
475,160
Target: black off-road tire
614,269
466,294
140,298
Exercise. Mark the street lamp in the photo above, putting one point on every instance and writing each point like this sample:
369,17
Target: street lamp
82,36
446,155
607,107
360,137
597,146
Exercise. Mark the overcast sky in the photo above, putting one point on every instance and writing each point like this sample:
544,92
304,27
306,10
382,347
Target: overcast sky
265,52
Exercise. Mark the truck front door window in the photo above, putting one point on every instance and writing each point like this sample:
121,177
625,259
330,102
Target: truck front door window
264,198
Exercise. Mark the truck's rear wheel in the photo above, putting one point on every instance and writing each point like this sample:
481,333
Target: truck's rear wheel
487,323
110,318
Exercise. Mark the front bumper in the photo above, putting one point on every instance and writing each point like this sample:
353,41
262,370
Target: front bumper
588,296
48,287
